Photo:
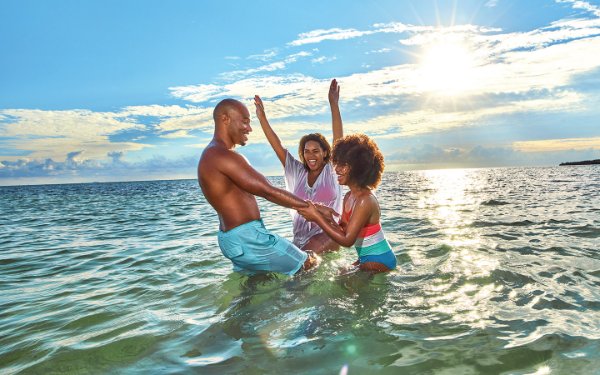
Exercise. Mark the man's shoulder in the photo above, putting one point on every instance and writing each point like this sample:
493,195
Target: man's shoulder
219,158
217,151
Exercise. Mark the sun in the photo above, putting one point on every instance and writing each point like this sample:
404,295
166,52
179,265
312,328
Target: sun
446,68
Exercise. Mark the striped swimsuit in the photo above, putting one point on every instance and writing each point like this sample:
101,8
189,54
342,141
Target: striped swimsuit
371,244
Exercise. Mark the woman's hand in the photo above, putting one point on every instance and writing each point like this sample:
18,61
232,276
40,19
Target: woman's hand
334,92
260,108
310,213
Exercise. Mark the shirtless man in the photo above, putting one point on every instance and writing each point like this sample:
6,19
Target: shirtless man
230,184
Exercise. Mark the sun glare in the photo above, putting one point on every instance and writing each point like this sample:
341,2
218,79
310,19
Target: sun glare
446,69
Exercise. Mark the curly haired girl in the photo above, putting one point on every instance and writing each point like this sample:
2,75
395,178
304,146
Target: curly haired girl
358,165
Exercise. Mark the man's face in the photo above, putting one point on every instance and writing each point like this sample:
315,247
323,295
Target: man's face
239,125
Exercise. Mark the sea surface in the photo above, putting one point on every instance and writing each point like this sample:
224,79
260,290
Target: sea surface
499,273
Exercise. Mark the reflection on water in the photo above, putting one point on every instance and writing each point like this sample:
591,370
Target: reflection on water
499,272
462,291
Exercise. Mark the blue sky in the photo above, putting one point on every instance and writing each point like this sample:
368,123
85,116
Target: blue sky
124,90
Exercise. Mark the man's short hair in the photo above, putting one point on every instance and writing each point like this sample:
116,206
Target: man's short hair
224,106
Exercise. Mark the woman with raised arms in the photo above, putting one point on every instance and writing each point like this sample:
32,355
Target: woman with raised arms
312,177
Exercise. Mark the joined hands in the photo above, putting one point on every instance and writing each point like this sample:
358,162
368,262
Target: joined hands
315,210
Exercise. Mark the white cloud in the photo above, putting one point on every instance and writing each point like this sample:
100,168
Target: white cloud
56,148
546,68
545,59
196,93
551,145
429,34
377,51
317,36
538,76
299,54
160,111
492,43
79,124
577,4
51,134
430,156
503,66
297,93
514,81
235,74
423,121
272,67
177,134
174,121
200,121
323,59
76,168
268,55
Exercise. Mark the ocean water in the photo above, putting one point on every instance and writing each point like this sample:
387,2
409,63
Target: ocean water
499,273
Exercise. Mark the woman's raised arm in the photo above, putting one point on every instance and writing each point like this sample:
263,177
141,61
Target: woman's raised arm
272,137
336,116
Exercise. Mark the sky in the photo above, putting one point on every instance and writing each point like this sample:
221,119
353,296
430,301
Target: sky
124,90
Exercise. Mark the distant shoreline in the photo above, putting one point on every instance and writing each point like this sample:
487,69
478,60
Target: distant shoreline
585,162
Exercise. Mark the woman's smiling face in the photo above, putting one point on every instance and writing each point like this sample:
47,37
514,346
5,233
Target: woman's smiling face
314,155
343,173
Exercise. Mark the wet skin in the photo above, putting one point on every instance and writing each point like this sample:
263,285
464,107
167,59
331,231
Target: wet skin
229,182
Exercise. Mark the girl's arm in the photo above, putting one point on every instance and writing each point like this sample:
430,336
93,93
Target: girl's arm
272,137
336,116
361,213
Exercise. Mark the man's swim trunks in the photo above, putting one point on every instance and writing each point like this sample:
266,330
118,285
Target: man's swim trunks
253,249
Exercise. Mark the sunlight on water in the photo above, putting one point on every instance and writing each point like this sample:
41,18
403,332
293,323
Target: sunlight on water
451,208
449,192
544,370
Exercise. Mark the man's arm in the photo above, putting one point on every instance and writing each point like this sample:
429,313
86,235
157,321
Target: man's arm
237,168
336,116
272,137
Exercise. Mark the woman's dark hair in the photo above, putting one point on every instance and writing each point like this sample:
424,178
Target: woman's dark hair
317,137
363,157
